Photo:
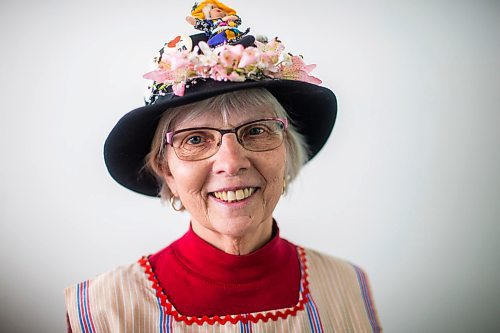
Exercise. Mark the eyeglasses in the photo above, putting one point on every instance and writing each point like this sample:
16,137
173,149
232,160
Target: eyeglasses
198,143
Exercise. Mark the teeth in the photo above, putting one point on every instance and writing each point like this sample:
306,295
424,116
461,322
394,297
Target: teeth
237,195
240,194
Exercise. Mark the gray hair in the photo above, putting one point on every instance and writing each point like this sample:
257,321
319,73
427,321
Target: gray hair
227,104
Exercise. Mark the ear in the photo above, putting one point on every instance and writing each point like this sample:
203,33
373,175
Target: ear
170,180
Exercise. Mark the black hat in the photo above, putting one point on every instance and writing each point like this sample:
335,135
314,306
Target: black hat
311,108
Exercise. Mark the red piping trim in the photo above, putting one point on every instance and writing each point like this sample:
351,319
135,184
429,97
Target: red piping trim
234,319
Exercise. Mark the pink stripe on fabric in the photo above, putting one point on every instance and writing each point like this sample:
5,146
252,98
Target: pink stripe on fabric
81,308
313,315
315,307
87,284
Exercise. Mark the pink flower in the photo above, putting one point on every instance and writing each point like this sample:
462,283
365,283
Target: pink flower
202,71
218,73
236,49
227,58
298,63
158,76
271,51
235,77
177,60
294,68
165,66
230,55
276,45
168,76
179,88
250,56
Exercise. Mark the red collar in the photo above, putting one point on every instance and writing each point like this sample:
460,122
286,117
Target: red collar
214,264
190,268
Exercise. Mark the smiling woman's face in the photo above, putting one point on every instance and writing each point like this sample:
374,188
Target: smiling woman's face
206,187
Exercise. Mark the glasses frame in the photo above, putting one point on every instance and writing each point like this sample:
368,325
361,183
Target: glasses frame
170,135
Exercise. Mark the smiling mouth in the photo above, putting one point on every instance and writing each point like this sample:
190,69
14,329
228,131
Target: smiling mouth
238,195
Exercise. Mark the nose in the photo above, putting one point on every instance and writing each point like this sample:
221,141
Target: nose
231,158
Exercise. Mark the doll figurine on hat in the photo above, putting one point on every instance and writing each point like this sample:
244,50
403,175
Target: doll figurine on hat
219,22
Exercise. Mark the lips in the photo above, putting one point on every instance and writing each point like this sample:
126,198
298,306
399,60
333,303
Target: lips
235,195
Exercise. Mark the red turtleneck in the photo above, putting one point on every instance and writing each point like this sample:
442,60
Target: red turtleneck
200,279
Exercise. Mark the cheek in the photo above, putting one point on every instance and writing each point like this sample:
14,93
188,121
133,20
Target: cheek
274,172
192,181
187,178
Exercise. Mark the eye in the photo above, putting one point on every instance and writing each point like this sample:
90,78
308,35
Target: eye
255,130
194,140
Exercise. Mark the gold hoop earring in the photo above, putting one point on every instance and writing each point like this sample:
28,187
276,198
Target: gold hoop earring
176,203
284,186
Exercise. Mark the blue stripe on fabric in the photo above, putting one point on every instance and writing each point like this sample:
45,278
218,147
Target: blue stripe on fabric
310,319
82,326
85,306
316,315
366,298
245,327
161,315
313,316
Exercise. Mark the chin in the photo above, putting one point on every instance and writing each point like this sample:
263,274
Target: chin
235,226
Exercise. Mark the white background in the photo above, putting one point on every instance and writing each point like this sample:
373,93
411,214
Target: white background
408,186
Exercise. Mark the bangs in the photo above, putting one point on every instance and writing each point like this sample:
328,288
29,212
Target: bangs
234,103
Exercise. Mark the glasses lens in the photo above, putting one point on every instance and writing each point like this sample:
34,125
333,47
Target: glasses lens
195,144
262,135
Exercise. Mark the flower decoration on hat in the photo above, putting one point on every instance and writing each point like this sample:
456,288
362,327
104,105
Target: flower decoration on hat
176,71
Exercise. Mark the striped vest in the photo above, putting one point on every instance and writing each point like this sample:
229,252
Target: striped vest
334,297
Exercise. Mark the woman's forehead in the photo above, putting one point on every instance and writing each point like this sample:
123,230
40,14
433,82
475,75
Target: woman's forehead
228,117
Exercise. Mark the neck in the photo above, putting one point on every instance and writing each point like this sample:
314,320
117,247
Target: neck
243,244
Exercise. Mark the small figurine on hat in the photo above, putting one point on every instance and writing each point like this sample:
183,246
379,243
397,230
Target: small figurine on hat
219,22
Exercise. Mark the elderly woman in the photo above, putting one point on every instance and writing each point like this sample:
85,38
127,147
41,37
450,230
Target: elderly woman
224,146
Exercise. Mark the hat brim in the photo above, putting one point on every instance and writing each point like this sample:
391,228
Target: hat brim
312,109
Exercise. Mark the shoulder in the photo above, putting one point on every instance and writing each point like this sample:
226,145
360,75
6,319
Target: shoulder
105,282
336,283
90,303
333,265
332,268
325,259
